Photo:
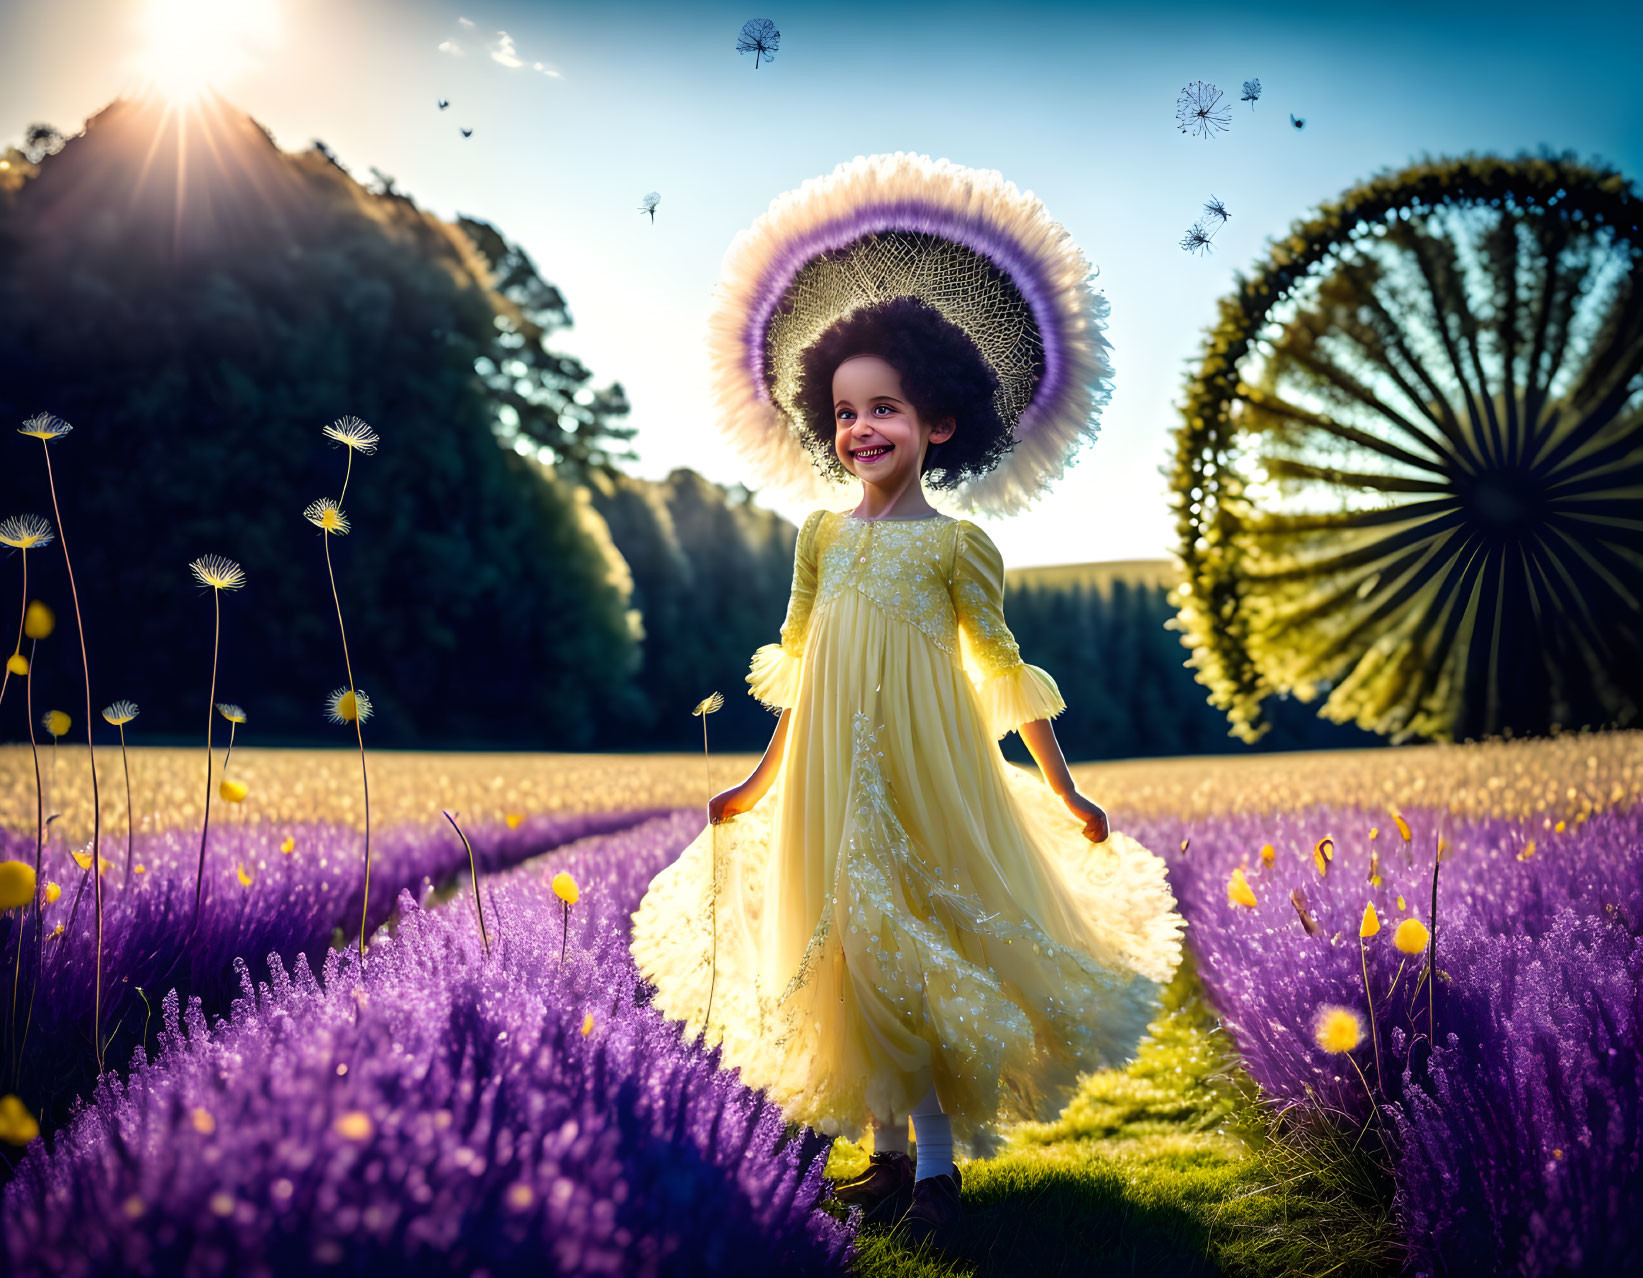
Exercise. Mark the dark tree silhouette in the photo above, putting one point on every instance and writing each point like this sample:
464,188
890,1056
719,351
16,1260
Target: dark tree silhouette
760,38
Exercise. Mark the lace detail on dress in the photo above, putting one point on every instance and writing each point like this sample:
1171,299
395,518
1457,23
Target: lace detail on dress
899,564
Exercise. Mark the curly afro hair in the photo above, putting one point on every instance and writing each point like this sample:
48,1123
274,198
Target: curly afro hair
942,374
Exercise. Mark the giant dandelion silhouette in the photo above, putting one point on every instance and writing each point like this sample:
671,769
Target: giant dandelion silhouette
347,705
1407,468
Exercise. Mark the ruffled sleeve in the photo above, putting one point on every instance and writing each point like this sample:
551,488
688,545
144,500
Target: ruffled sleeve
775,669
1011,691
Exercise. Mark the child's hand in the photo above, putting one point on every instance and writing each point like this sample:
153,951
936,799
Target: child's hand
1094,819
729,803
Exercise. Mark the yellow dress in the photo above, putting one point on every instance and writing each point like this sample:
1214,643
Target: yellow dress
904,906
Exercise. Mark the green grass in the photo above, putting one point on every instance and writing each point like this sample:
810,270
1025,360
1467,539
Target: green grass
1170,1166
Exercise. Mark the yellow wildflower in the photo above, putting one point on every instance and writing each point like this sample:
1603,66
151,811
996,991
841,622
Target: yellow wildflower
38,620
56,722
1411,936
1338,1029
1403,827
17,663
16,884
1323,852
17,1125
290,844
245,875
232,791
354,1125
513,819
52,892
1268,853
1238,890
564,887
1370,924
587,1025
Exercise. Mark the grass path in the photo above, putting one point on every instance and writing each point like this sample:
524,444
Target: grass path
1169,1166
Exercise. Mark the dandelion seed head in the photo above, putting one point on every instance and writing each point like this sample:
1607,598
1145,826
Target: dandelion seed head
1252,90
354,433
218,572
55,722
709,704
1199,109
326,514
122,712
231,712
347,704
45,426
25,532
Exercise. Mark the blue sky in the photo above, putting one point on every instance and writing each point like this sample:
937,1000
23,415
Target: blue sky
1072,102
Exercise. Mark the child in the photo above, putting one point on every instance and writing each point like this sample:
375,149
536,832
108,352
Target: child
889,920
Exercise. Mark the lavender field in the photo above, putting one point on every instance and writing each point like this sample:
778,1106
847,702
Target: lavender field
466,1100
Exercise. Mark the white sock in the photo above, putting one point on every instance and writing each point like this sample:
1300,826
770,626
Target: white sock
889,1138
933,1135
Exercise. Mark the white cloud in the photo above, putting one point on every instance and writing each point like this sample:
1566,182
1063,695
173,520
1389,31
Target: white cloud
503,52
545,70
467,22
451,47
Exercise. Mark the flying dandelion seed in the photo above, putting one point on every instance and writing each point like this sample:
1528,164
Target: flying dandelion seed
345,705
1298,122
1215,208
649,203
1252,91
759,37
1197,239
326,514
1199,109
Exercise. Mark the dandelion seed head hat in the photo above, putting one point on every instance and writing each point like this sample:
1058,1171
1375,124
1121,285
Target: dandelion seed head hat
985,255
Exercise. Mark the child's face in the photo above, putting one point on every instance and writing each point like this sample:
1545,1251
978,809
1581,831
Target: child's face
872,416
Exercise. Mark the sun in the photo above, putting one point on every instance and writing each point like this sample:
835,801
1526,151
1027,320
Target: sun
188,44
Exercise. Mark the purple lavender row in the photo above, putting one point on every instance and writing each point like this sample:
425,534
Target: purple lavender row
258,898
440,1110
1517,1141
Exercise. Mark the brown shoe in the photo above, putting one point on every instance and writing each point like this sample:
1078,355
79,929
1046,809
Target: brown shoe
933,1215
884,1189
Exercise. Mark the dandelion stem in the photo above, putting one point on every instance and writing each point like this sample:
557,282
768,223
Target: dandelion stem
359,731
1432,952
210,712
96,806
473,873
5,680
39,830
1374,1031
564,934
131,816
713,887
